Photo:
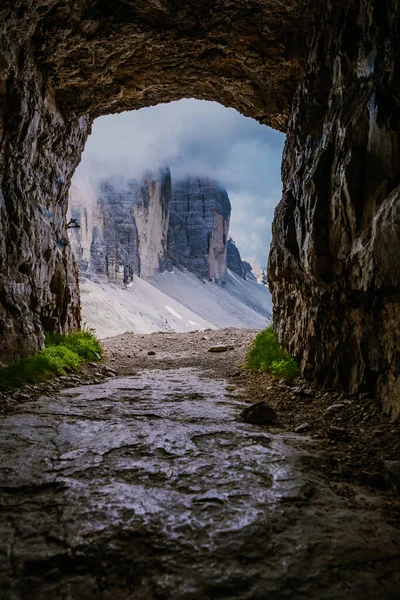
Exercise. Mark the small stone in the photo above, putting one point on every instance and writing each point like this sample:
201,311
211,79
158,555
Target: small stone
392,468
334,407
302,427
302,392
345,471
337,433
259,414
220,348
375,480
110,372
151,353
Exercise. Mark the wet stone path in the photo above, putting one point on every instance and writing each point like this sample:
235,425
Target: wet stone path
150,487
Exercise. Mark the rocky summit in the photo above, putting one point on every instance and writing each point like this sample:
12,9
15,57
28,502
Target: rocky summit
124,227
199,225
324,72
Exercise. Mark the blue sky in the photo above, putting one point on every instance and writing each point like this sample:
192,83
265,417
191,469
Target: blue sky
201,138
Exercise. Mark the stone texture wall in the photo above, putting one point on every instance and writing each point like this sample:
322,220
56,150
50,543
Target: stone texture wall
39,151
151,214
335,259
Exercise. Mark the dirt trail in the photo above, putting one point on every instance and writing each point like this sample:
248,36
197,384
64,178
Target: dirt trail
146,484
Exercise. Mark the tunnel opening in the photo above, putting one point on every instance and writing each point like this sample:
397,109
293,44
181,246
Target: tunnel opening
186,188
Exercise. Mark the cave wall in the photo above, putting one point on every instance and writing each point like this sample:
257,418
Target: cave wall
334,265
39,151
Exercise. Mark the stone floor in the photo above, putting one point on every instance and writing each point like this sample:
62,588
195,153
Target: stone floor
150,487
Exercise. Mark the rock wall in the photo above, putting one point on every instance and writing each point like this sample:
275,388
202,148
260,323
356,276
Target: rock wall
199,225
151,214
123,226
334,266
40,148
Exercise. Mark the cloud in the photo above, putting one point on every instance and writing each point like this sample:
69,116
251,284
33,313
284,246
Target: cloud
200,138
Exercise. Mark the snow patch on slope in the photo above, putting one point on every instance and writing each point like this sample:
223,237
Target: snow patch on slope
244,304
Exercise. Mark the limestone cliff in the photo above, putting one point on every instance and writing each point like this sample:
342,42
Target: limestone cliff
131,228
234,260
198,227
123,226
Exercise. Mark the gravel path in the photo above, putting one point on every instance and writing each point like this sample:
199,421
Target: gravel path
144,483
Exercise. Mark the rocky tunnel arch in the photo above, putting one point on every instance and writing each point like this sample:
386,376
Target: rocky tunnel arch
325,72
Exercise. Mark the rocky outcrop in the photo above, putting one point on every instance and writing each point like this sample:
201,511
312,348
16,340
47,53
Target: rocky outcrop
198,227
234,260
248,271
123,226
334,266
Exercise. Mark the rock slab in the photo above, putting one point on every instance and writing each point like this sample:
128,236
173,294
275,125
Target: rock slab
109,490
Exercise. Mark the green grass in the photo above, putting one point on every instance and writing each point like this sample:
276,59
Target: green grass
63,353
267,355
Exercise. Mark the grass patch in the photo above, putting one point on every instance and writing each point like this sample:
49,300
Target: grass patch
267,355
63,353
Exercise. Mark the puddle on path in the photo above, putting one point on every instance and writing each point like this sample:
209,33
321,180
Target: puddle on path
150,487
